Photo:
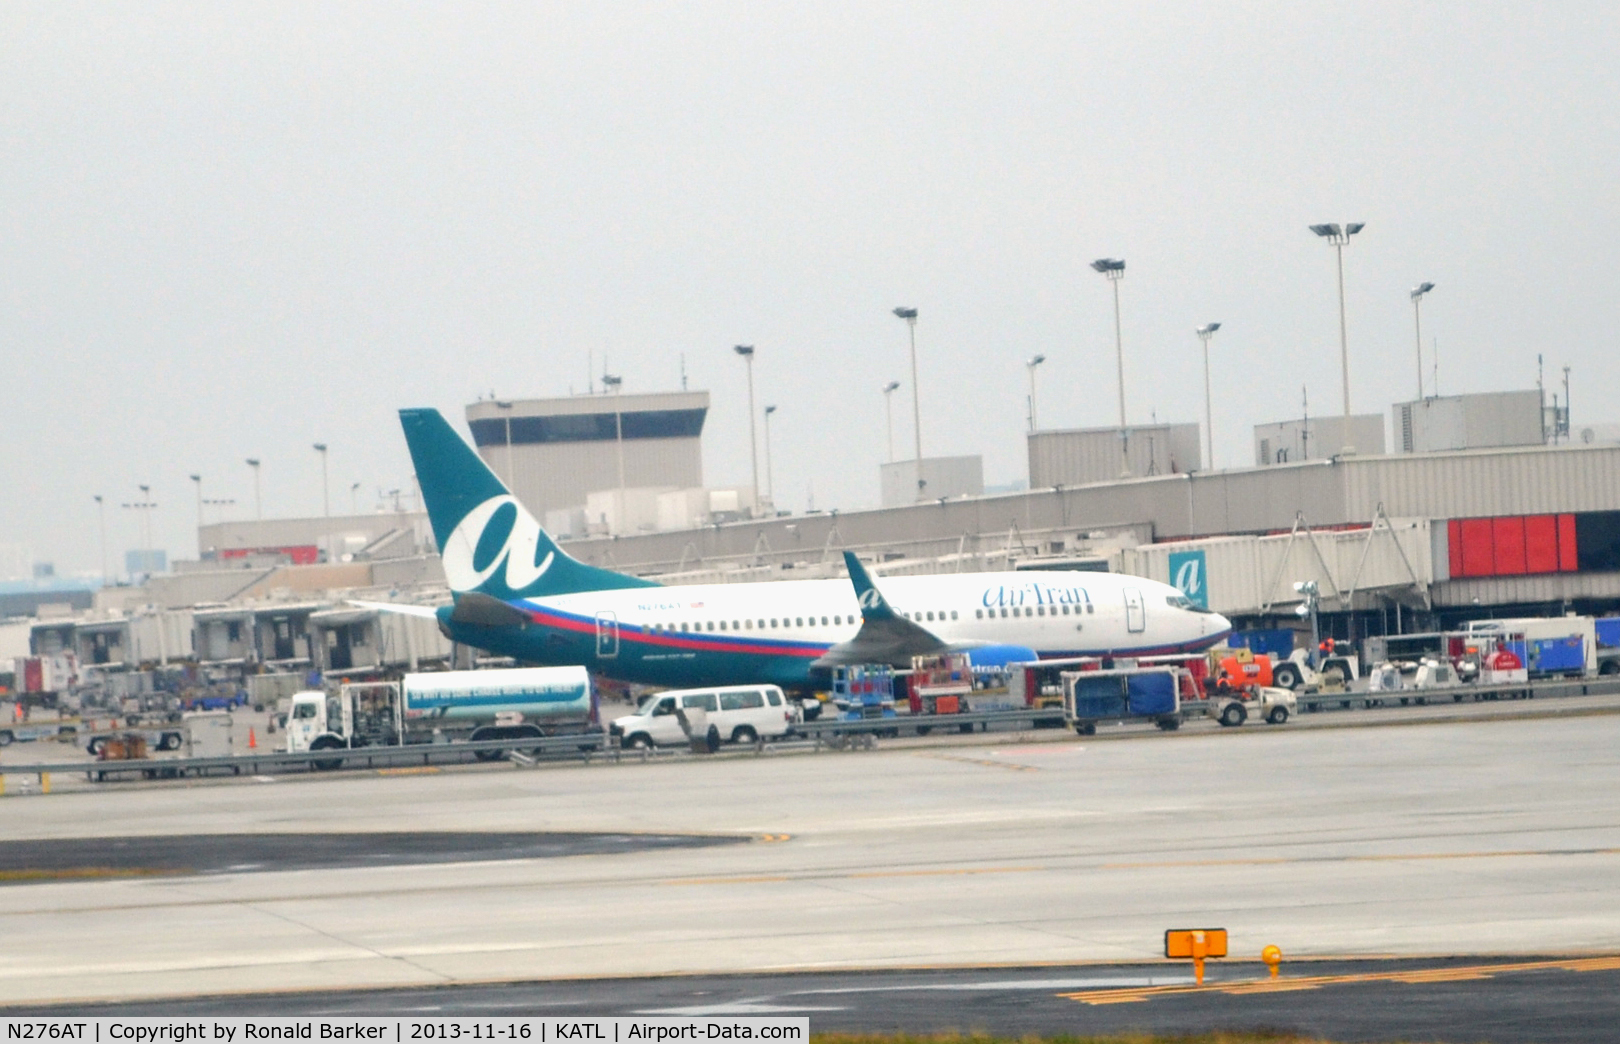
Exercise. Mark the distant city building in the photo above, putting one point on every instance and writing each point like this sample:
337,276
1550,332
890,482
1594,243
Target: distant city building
305,541
1461,422
16,562
1084,456
148,561
1317,438
554,453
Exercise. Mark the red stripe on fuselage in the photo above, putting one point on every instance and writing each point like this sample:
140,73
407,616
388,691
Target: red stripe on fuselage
564,622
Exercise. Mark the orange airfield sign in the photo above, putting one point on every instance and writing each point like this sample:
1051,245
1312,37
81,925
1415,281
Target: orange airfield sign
1182,943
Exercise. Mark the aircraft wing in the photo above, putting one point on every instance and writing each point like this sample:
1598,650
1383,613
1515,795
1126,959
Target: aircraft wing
885,636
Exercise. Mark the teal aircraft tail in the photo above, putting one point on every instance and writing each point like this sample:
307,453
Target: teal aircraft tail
488,541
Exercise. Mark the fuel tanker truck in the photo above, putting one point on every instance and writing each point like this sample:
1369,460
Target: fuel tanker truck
445,707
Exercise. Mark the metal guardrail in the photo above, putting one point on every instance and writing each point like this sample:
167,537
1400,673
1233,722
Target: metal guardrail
823,732
1544,689
823,729
555,748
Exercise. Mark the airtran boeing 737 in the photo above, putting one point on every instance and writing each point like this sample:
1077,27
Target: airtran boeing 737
516,593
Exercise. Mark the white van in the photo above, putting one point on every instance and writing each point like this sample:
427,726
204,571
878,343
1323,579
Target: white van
742,713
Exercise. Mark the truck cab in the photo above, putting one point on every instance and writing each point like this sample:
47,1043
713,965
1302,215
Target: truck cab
364,714
315,715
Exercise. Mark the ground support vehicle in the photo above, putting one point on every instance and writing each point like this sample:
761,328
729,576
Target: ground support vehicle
516,704
154,739
865,692
948,684
735,713
1269,703
1557,646
26,732
1120,695
1607,631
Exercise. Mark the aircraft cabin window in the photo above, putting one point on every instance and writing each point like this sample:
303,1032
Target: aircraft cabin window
773,621
953,614
1004,614
824,621
978,614
930,614
798,621
711,625
1090,608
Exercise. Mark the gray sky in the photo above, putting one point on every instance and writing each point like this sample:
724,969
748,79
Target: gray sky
233,230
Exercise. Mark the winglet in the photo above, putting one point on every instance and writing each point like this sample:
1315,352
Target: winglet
873,605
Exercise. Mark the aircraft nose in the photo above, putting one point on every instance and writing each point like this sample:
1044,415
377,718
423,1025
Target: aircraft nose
1215,623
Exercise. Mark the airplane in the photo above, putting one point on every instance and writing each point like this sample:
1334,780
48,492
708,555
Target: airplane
516,593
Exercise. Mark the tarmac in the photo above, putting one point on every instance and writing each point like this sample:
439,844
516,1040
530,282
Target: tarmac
1449,837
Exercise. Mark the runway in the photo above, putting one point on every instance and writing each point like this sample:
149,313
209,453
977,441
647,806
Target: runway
1470,838
1546,1000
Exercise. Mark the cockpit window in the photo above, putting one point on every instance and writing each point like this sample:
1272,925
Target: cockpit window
1180,601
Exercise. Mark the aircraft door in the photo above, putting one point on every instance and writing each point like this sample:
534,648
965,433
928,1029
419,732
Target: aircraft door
607,635
1135,611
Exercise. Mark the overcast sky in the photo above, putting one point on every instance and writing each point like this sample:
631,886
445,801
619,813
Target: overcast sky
234,230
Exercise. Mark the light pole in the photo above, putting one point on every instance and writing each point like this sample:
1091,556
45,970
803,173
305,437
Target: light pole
770,482
1114,269
888,414
258,504
1204,333
506,414
747,353
910,316
1034,414
145,506
101,512
1310,601
354,501
1339,237
610,381
1567,414
326,502
1417,319
198,480
326,505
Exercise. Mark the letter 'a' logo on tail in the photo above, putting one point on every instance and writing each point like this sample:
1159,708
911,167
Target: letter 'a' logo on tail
488,541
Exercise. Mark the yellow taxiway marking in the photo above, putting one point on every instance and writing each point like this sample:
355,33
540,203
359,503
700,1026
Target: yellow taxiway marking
410,770
776,837
1312,982
81,873
1013,765
1388,857
777,878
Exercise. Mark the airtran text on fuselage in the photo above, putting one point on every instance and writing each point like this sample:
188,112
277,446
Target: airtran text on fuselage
472,554
1034,594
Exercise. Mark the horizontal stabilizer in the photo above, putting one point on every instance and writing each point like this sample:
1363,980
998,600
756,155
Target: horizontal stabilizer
426,611
480,610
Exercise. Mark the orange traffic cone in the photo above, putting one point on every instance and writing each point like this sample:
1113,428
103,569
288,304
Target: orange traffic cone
253,741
